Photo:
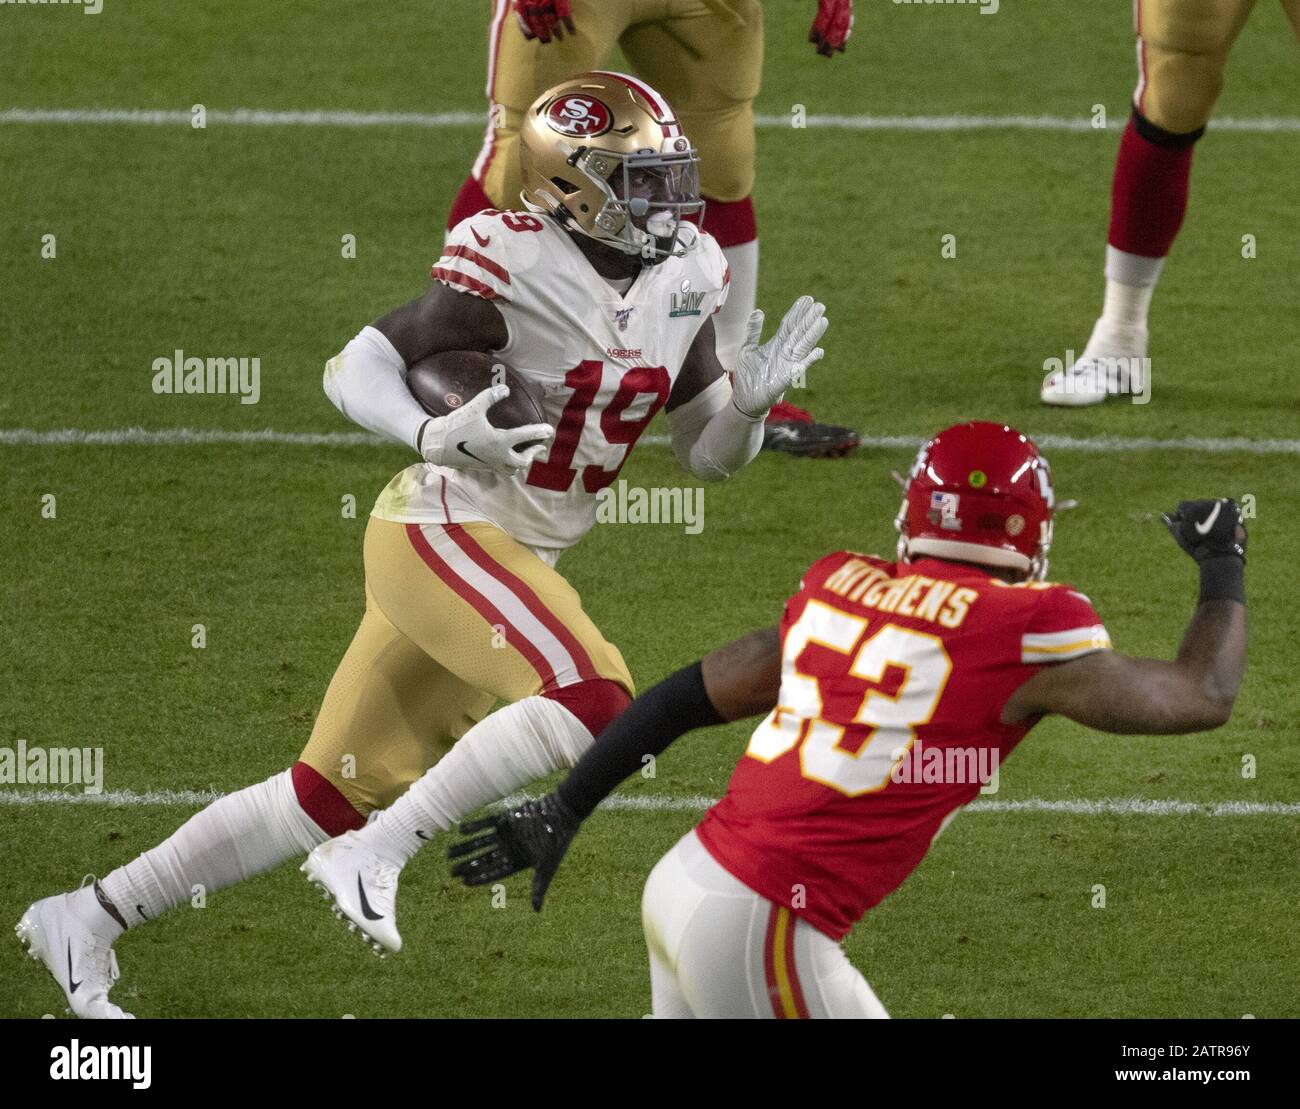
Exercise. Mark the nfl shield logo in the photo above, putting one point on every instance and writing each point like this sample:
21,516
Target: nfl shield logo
621,316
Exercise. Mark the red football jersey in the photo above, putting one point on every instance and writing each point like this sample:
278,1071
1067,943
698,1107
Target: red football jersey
892,683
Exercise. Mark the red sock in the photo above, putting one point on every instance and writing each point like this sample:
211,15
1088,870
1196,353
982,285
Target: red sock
469,200
731,222
321,800
594,702
1148,197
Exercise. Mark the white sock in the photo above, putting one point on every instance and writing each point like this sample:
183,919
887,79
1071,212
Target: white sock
234,838
514,746
1130,282
1132,269
729,324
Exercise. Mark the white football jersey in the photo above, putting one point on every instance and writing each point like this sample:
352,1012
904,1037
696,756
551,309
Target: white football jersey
605,362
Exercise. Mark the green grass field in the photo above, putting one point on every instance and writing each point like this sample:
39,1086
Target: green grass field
226,240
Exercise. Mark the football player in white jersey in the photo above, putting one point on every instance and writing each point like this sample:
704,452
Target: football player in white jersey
602,293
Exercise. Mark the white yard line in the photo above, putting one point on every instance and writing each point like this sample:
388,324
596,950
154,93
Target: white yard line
188,436
114,798
1107,806
182,437
263,117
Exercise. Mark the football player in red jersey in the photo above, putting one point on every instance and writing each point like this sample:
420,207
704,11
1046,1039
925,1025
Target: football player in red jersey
706,56
889,688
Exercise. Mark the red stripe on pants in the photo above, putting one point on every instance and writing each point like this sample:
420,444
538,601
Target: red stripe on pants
480,604
531,601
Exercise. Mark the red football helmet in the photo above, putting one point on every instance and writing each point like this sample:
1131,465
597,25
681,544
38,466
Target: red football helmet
979,492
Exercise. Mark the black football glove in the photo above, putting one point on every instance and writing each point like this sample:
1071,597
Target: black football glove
1208,529
536,835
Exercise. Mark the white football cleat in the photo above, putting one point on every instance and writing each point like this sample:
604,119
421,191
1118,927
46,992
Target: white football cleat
61,932
1113,363
363,887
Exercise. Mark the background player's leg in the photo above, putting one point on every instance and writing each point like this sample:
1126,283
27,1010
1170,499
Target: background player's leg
707,59
518,72
1182,48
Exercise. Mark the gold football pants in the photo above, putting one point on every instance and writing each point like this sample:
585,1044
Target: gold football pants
457,617
1183,48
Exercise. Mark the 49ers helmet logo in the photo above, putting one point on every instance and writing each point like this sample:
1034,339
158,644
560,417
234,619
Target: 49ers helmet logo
579,115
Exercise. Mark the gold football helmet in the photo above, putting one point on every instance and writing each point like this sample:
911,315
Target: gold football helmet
603,153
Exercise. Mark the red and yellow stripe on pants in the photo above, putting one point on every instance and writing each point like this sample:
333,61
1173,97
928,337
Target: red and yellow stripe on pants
779,967
457,617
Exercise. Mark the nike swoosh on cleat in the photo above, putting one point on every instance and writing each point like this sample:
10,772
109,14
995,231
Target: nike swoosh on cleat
73,984
366,910
140,909
422,835
1203,528
461,447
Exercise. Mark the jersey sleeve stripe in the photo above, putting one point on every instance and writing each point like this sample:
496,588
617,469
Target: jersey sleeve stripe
471,284
1050,641
1063,646
481,260
1060,654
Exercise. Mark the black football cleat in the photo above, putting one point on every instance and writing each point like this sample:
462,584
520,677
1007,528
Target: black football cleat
794,431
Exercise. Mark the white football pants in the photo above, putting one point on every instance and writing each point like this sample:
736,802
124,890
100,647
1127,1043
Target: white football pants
718,949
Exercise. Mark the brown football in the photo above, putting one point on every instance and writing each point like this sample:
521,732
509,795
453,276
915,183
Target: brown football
443,382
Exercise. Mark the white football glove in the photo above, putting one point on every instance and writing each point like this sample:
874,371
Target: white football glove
464,440
763,374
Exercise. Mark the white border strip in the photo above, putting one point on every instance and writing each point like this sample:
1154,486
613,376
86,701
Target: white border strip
1107,806
189,436
262,117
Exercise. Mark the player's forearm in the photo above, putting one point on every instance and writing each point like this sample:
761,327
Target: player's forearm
1213,656
366,381
711,438
1145,696
729,441
659,716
